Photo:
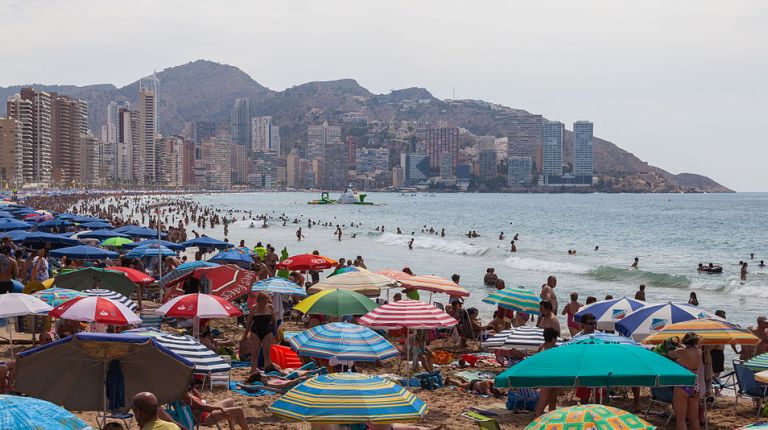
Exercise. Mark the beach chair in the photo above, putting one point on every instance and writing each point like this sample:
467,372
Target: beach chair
483,422
221,378
522,399
182,414
661,396
747,386
149,319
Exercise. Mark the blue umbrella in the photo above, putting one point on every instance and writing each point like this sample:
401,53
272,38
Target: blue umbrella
85,252
84,219
7,224
16,235
207,242
652,318
53,223
205,360
125,228
40,239
607,312
66,216
100,234
170,245
605,337
344,342
182,270
22,413
4,214
150,251
233,257
278,285
143,232
95,225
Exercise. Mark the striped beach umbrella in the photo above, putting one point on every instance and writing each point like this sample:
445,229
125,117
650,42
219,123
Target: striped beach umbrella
607,312
344,342
136,276
589,417
205,360
112,295
407,313
395,275
710,332
55,296
181,271
652,318
349,398
758,363
762,425
522,338
336,303
278,285
435,284
517,299
363,282
21,413
96,310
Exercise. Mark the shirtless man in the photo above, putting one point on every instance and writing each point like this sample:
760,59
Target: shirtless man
548,317
640,294
548,292
490,277
9,270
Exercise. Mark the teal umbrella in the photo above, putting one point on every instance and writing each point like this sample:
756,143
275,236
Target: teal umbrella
758,363
24,413
595,363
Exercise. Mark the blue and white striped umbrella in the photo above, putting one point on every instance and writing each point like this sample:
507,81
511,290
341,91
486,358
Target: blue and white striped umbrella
149,251
344,342
605,337
205,360
109,294
278,285
26,413
608,312
652,318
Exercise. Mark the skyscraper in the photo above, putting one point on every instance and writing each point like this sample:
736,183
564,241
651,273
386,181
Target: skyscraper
294,177
69,124
552,149
128,154
241,122
525,134
415,166
202,130
150,147
109,132
486,156
33,109
318,136
11,153
265,136
368,161
582,152
440,140
519,171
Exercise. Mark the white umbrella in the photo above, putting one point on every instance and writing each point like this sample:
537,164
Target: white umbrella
19,304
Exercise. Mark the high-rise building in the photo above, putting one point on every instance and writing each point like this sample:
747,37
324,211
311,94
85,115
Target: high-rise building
440,140
188,163
351,142
582,152
519,171
525,135
319,136
241,122
172,161
212,164
294,177
238,159
128,154
149,139
369,161
69,124
335,168
265,136
11,153
202,130
446,165
263,170
109,132
89,159
416,167
487,163
33,109
552,149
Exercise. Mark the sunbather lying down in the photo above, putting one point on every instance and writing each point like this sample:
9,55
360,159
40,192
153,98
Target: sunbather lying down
291,373
479,386
260,381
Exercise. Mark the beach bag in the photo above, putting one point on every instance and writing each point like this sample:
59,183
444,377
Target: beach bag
430,381
522,399
442,357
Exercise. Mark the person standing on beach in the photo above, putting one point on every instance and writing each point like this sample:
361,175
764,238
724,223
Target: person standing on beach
548,317
548,292
8,270
570,310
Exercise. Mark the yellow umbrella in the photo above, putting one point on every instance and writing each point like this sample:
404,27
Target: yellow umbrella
48,283
710,332
762,376
363,282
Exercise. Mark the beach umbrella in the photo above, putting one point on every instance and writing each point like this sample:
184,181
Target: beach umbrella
346,269
38,218
173,246
710,332
204,360
143,232
150,251
589,417
336,303
16,235
94,277
53,223
181,271
95,225
84,219
96,309
435,284
29,413
607,312
66,216
409,314
198,306
226,281
115,242
111,295
304,262
39,239
652,318
349,398
278,285
205,242
518,299
605,337
366,283
54,296
758,363
101,235
84,252
19,304
758,425
344,342
136,276
522,338
18,287
8,224
240,258
71,372
595,363
125,228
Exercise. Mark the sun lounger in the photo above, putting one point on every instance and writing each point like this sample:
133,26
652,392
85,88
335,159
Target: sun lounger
483,422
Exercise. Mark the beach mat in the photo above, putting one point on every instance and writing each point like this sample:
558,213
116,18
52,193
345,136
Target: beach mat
250,393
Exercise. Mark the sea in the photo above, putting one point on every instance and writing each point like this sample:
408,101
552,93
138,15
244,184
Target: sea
669,233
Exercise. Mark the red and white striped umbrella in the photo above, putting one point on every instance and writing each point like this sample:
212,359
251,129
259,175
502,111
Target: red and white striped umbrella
435,284
407,313
393,274
198,306
97,310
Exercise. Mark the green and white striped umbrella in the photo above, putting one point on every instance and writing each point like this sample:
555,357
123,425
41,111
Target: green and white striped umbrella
758,363
515,298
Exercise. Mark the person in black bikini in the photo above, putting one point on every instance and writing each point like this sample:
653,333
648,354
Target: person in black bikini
260,323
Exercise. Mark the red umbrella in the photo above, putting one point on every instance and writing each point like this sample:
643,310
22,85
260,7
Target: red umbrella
407,313
393,274
226,281
303,262
95,309
198,306
134,275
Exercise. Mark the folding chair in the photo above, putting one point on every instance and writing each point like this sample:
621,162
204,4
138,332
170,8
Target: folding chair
747,386
483,422
661,396
221,378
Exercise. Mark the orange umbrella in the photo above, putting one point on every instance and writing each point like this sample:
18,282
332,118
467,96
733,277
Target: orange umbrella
710,332
435,284
393,274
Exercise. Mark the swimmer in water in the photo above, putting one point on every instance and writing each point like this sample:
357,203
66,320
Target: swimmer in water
597,247
410,244
744,272
299,236
501,236
512,247
762,264
635,263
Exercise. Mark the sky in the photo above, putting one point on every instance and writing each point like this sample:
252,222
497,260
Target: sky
681,84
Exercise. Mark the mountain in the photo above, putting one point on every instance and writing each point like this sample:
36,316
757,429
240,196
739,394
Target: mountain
205,90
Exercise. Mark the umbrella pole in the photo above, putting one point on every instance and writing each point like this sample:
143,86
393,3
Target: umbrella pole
104,391
11,321
196,327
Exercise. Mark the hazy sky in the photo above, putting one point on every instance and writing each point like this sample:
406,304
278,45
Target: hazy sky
681,84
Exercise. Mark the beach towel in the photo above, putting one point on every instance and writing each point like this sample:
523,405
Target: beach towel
469,375
115,386
250,392
181,413
240,364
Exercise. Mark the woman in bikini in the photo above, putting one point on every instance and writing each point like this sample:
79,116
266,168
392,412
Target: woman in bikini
685,400
570,310
261,324
210,414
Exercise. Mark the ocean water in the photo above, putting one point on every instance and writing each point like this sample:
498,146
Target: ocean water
669,233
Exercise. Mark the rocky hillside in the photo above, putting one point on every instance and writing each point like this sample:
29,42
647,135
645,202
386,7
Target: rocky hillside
204,90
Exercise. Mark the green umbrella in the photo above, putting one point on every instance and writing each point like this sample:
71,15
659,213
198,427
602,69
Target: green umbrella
115,242
589,417
336,303
595,363
758,363
92,277
517,299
